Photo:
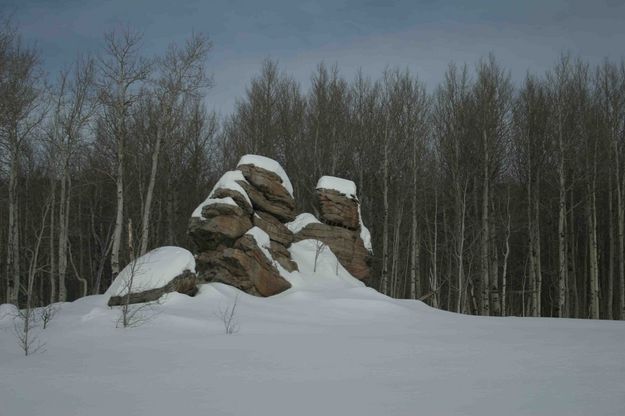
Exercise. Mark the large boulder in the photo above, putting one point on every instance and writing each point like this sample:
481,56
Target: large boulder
245,266
218,222
346,245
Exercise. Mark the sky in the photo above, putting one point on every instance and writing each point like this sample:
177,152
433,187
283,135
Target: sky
421,35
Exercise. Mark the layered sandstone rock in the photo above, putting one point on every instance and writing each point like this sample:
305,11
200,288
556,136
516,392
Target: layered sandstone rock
242,236
220,224
257,194
244,266
337,208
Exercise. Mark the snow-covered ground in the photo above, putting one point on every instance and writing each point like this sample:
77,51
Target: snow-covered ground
328,346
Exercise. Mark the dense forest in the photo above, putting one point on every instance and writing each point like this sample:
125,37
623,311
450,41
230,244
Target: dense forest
483,195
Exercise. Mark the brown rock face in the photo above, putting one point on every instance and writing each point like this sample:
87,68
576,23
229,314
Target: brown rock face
222,225
212,266
244,266
267,193
338,209
345,244
273,227
282,256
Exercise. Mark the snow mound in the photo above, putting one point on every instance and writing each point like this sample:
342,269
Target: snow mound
7,311
209,201
301,221
344,186
152,271
270,165
328,275
262,241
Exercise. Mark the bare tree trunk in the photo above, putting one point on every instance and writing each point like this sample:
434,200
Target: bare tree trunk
535,268
395,264
53,269
573,292
539,270
494,269
610,288
461,206
532,248
592,245
504,274
485,235
385,220
562,249
620,181
414,252
147,208
63,233
83,282
13,253
434,267
26,342
119,216
171,210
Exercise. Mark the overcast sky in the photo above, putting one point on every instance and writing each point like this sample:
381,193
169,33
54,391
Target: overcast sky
423,35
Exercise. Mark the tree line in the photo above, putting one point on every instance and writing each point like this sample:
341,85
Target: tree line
483,196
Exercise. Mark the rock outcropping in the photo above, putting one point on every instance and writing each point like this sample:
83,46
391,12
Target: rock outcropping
241,235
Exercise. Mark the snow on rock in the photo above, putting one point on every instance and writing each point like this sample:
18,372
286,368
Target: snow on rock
365,235
229,181
301,221
209,201
270,165
153,270
262,241
344,186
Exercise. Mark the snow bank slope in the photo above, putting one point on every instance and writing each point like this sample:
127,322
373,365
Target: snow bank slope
341,351
329,275
153,270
